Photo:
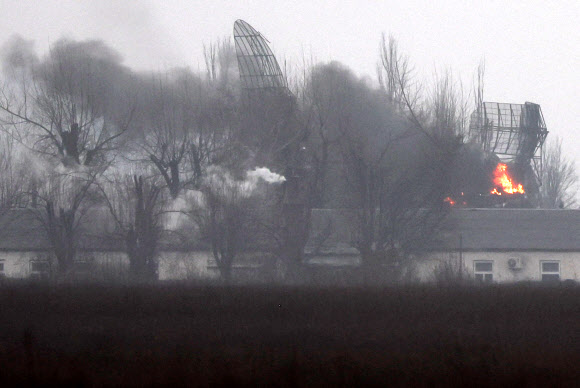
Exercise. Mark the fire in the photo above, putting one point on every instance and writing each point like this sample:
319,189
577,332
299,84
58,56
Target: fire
504,182
449,200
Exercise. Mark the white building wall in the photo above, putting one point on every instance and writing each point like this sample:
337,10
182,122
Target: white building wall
115,265
17,264
185,265
197,265
530,269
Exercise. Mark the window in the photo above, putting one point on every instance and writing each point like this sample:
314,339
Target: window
39,269
484,271
550,271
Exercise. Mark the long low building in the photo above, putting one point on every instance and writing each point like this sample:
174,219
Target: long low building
510,245
25,250
499,245
491,245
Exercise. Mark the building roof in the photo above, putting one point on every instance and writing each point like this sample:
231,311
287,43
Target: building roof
511,229
332,231
23,230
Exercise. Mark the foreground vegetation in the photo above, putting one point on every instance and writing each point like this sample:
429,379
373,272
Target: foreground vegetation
218,336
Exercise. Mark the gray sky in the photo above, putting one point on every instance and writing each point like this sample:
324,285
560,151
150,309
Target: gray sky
531,48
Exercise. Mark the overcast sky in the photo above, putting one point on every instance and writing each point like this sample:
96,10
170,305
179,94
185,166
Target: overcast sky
531,48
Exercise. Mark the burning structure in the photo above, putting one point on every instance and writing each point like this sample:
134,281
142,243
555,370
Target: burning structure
513,135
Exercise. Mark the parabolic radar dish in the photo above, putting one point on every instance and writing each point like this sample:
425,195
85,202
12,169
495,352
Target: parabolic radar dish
256,62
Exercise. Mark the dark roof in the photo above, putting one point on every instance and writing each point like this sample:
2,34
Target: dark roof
332,231
23,230
512,229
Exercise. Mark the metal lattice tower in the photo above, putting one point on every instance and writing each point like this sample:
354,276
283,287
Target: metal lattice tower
256,62
513,132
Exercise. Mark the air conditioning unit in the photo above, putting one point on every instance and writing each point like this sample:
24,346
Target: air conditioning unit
515,263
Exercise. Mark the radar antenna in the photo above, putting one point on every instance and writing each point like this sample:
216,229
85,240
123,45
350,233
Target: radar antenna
256,62
514,132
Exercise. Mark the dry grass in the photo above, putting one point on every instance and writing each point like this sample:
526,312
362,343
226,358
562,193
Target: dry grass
215,336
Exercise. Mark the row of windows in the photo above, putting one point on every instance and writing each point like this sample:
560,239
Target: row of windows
549,270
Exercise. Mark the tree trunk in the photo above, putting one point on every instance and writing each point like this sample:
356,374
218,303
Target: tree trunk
60,229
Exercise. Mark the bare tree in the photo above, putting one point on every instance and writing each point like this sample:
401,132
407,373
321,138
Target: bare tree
220,63
439,116
319,103
169,130
228,216
559,178
478,92
365,133
441,121
14,176
396,77
71,104
395,148
137,206
71,108
448,107
186,125
64,198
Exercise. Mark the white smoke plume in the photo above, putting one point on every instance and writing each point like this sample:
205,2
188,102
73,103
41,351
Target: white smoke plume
219,180
250,184
265,174
179,207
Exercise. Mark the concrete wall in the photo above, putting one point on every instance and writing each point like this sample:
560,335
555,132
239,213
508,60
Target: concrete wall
115,265
17,264
530,269
200,265
185,265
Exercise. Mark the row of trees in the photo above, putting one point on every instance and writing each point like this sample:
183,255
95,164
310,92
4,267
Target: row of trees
80,131
96,135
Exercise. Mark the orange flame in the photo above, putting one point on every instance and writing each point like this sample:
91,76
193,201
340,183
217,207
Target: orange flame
502,180
449,200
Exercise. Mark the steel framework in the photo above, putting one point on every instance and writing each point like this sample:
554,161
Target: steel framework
513,132
256,62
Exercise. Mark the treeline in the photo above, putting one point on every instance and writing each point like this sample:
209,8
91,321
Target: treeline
81,131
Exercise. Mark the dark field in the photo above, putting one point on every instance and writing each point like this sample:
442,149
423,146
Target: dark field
214,336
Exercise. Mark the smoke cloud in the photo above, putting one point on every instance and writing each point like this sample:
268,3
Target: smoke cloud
265,174
218,180
17,53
